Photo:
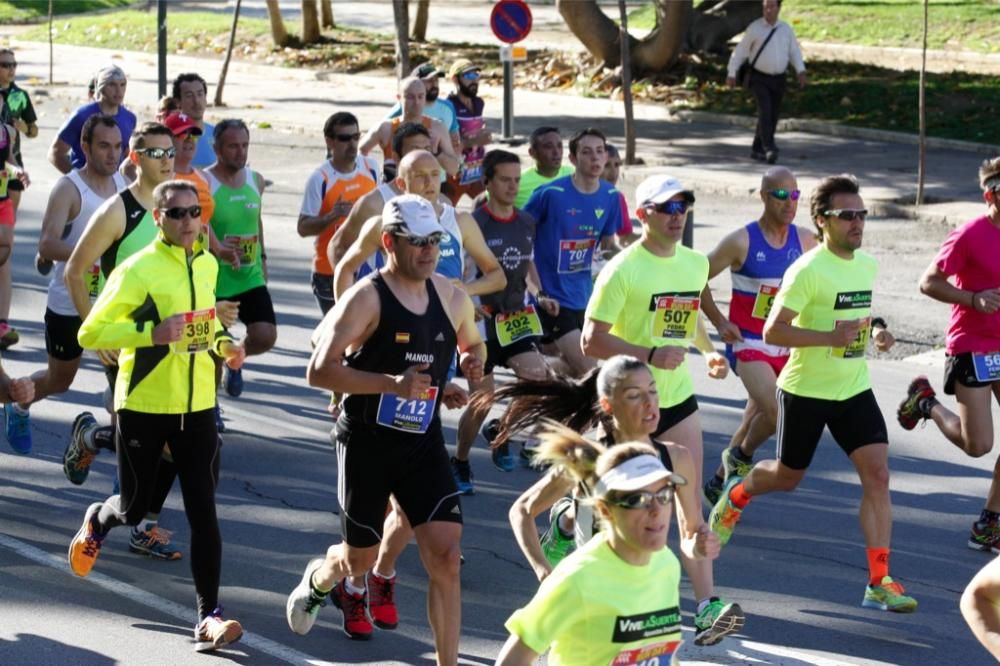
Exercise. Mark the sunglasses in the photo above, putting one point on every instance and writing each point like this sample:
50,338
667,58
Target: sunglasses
157,153
422,241
848,214
8,65
644,498
671,207
344,138
785,195
179,212
470,76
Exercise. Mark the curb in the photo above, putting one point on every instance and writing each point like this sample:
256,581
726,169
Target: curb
836,129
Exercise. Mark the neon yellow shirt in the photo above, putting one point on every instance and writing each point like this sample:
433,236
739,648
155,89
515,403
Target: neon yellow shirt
823,289
595,608
637,290
531,180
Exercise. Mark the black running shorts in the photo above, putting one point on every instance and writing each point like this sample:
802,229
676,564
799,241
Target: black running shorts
854,423
671,416
60,336
255,305
565,322
373,463
959,368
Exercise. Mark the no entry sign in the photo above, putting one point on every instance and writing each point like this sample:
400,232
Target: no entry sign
511,20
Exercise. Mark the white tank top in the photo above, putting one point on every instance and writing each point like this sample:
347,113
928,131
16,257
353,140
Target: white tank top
58,298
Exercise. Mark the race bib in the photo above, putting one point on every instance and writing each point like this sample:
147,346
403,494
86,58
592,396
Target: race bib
987,366
93,278
517,325
575,255
765,299
199,332
246,246
675,317
4,179
657,654
412,416
471,173
860,343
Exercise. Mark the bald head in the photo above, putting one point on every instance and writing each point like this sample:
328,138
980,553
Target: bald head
411,84
775,178
415,158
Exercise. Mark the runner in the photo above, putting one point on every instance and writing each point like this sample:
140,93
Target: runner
412,96
165,392
435,107
972,346
512,329
10,172
403,324
546,149
65,153
191,93
17,111
331,192
599,606
645,304
474,136
823,312
186,139
72,201
574,214
612,173
757,254
119,228
238,192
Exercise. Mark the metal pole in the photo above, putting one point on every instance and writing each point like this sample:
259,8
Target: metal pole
161,45
508,100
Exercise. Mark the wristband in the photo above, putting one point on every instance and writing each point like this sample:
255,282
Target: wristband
649,359
973,303
878,321
263,256
540,295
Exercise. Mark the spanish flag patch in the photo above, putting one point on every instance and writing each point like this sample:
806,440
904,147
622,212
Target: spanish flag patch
402,338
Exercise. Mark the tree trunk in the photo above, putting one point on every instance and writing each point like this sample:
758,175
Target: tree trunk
401,16
326,12
715,23
229,54
278,33
627,85
419,33
922,111
310,22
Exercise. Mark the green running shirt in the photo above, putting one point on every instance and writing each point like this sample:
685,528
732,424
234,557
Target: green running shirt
237,218
140,231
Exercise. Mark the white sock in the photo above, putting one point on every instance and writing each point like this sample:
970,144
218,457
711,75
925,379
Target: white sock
351,589
21,410
378,575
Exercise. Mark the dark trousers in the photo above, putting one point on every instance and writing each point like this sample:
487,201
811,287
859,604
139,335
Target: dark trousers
194,446
767,90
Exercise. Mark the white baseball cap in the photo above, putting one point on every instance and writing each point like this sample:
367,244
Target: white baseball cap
636,473
412,212
660,188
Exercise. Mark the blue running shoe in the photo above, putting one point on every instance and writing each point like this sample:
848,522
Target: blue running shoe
500,455
220,425
463,476
17,425
233,381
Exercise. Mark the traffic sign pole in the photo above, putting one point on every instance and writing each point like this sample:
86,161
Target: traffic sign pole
508,100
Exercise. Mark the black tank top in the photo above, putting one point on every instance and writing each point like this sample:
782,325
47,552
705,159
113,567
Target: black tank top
402,339
124,247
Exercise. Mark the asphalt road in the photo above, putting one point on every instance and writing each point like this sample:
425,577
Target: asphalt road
796,563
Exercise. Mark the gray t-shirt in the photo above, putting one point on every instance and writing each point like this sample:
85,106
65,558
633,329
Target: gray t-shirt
512,241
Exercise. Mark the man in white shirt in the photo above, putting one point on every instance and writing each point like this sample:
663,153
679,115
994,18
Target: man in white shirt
768,64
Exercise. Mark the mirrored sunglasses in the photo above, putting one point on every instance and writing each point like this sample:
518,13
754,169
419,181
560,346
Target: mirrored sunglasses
785,195
643,499
848,214
179,212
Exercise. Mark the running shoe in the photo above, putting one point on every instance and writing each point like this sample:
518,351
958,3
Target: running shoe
985,537
304,602
725,514
909,413
43,265
716,621
86,545
712,489
154,542
731,464
888,596
500,455
220,424
462,471
233,381
214,632
381,601
77,457
354,609
17,425
8,336
555,545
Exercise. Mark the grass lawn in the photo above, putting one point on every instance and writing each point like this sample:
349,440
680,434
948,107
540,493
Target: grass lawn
22,11
969,25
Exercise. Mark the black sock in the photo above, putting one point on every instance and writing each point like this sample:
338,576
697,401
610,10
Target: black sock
926,405
104,438
742,457
988,516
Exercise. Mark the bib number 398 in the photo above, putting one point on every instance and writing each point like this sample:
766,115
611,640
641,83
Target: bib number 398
199,331
987,366
675,317
517,325
412,416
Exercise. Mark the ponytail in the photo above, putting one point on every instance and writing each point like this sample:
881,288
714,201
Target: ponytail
568,451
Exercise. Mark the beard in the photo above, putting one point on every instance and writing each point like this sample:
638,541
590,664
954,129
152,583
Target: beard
469,90
431,95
